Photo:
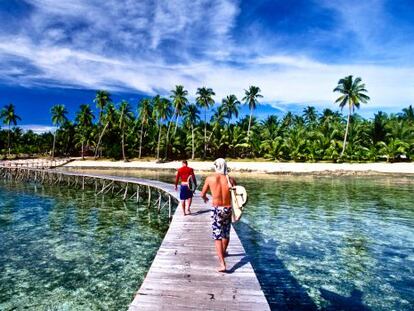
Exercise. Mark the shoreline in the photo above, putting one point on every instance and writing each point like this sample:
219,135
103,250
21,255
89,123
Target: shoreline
268,168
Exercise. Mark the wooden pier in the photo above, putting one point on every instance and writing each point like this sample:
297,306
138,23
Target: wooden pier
183,274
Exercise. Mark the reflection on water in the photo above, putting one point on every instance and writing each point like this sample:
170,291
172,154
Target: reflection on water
332,243
65,249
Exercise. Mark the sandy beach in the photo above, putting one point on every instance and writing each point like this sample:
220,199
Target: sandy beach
259,167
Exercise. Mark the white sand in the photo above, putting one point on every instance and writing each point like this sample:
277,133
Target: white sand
259,167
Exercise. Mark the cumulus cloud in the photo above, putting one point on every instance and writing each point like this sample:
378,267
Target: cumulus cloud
150,46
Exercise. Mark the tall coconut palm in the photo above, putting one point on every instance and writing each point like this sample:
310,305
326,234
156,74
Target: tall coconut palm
353,93
230,106
109,119
9,117
102,99
179,100
205,100
59,113
251,99
144,113
191,116
125,117
161,112
84,120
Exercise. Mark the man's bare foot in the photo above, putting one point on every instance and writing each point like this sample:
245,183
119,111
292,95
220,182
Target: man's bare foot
222,268
188,212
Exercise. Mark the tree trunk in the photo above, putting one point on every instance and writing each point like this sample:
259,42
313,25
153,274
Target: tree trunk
192,139
250,122
123,146
167,139
159,139
346,132
140,141
205,132
54,143
83,152
100,138
8,141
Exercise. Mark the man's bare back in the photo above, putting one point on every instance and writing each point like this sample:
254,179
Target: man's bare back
219,188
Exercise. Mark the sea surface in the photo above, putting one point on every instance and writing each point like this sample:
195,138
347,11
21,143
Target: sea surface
64,249
316,243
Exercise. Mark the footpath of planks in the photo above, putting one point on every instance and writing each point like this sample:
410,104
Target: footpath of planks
183,274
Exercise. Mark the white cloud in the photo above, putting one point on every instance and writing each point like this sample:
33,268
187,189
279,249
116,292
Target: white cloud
36,128
147,46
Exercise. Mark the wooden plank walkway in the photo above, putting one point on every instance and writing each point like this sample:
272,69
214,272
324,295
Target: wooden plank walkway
183,274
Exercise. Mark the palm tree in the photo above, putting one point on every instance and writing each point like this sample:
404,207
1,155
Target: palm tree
162,111
9,116
125,116
84,119
109,120
250,98
230,107
191,116
59,113
144,112
205,100
310,115
102,98
179,100
353,94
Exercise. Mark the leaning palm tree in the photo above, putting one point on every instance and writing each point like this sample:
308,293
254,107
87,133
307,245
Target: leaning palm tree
250,98
230,106
84,120
9,117
205,100
125,116
191,116
353,94
102,98
109,120
161,112
144,113
59,113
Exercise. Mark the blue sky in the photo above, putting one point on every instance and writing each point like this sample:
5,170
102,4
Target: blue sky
60,52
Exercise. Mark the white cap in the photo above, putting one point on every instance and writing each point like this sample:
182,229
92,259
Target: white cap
220,166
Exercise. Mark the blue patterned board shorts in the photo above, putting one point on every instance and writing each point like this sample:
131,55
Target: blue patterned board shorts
185,192
221,217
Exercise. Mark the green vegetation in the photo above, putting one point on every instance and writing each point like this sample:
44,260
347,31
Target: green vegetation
155,129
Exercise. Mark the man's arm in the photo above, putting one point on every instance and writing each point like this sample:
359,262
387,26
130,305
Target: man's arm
204,191
194,179
176,179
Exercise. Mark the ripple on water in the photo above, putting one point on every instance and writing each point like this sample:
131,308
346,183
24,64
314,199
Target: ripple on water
66,250
332,243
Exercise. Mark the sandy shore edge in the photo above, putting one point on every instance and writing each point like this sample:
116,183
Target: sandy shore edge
259,167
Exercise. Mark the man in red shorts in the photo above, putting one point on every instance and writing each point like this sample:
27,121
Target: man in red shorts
185,173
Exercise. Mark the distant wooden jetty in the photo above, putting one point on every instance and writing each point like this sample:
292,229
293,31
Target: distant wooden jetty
183,274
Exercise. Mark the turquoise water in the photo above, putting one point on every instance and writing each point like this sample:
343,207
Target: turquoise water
322,243
69,250
332,243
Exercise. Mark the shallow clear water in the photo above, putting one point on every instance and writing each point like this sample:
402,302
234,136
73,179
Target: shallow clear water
316,243
69,250
332,243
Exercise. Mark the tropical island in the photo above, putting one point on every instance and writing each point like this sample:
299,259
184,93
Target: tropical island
171,127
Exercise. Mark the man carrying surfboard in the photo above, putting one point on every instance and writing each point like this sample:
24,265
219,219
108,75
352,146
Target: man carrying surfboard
188,185
219,186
